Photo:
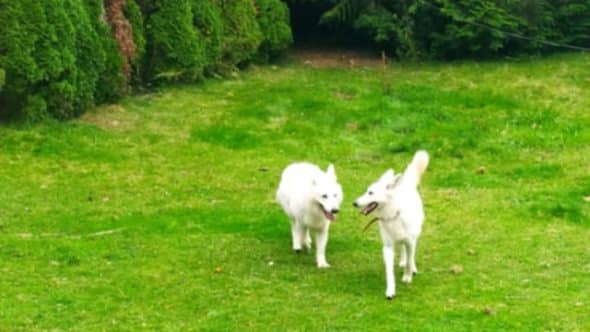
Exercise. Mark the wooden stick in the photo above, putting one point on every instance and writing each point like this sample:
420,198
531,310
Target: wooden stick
369,224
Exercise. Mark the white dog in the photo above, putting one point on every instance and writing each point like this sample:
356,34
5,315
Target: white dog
398,207
311,198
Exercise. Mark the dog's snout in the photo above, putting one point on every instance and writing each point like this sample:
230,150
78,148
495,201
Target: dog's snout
355,204
335,211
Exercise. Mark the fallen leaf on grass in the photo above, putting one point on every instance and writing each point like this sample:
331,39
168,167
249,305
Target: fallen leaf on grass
456,269
352,126
489,311
343,96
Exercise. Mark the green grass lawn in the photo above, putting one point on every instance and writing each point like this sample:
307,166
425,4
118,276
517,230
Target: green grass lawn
158,213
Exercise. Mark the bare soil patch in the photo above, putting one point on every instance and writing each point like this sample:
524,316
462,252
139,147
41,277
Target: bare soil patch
322,58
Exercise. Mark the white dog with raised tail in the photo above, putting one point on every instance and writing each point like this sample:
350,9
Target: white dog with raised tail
311,198
399,210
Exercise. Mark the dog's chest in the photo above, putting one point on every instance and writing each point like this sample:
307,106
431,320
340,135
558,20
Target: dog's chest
394,229
314,221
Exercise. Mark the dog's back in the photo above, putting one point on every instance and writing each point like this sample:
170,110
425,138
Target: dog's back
295,187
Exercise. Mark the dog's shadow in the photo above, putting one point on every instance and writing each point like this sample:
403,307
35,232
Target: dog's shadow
358,277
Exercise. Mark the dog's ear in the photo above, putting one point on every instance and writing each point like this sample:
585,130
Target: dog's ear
331,171
395,182
387,177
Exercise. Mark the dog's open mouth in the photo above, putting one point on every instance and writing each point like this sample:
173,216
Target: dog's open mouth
329,215
369,208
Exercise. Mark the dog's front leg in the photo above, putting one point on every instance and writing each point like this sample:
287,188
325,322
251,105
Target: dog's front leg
297,233
321,242
388,257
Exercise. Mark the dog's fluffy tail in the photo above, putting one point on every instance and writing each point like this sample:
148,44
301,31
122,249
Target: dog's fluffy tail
416,168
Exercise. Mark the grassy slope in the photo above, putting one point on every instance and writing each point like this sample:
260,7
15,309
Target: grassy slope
180,176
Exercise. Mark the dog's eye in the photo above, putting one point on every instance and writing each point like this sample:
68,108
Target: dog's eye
370,193
325,196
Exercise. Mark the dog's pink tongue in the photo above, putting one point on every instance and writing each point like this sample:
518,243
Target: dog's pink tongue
329,215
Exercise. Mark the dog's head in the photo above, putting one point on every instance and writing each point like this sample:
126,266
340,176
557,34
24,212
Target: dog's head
328,193
378,193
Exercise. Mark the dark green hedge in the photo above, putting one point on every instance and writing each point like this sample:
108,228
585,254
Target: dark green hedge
55,58
207,19
60,57
111,83
273,19
241,33
48,52
2,78
175,49
133,14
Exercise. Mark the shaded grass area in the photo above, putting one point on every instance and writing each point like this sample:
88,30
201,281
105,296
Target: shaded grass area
185,179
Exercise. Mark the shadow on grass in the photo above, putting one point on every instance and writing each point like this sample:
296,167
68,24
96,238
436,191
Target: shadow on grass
565,203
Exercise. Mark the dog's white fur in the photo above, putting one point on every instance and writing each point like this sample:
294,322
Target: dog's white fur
398,206
310,198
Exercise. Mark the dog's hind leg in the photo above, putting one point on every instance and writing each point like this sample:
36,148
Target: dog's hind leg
403,258
307,240
412,259
408,272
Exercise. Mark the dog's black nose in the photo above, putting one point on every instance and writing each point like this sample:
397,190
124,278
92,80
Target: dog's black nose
335,211
355,204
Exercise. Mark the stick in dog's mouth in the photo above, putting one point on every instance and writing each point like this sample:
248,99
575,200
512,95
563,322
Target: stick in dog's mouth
369,208
369,224
377,218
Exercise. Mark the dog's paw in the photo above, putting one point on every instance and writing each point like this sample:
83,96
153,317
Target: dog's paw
389,295
323,265
407,278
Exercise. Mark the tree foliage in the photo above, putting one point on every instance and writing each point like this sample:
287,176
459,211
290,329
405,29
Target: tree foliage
451,29
2,78
574,21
